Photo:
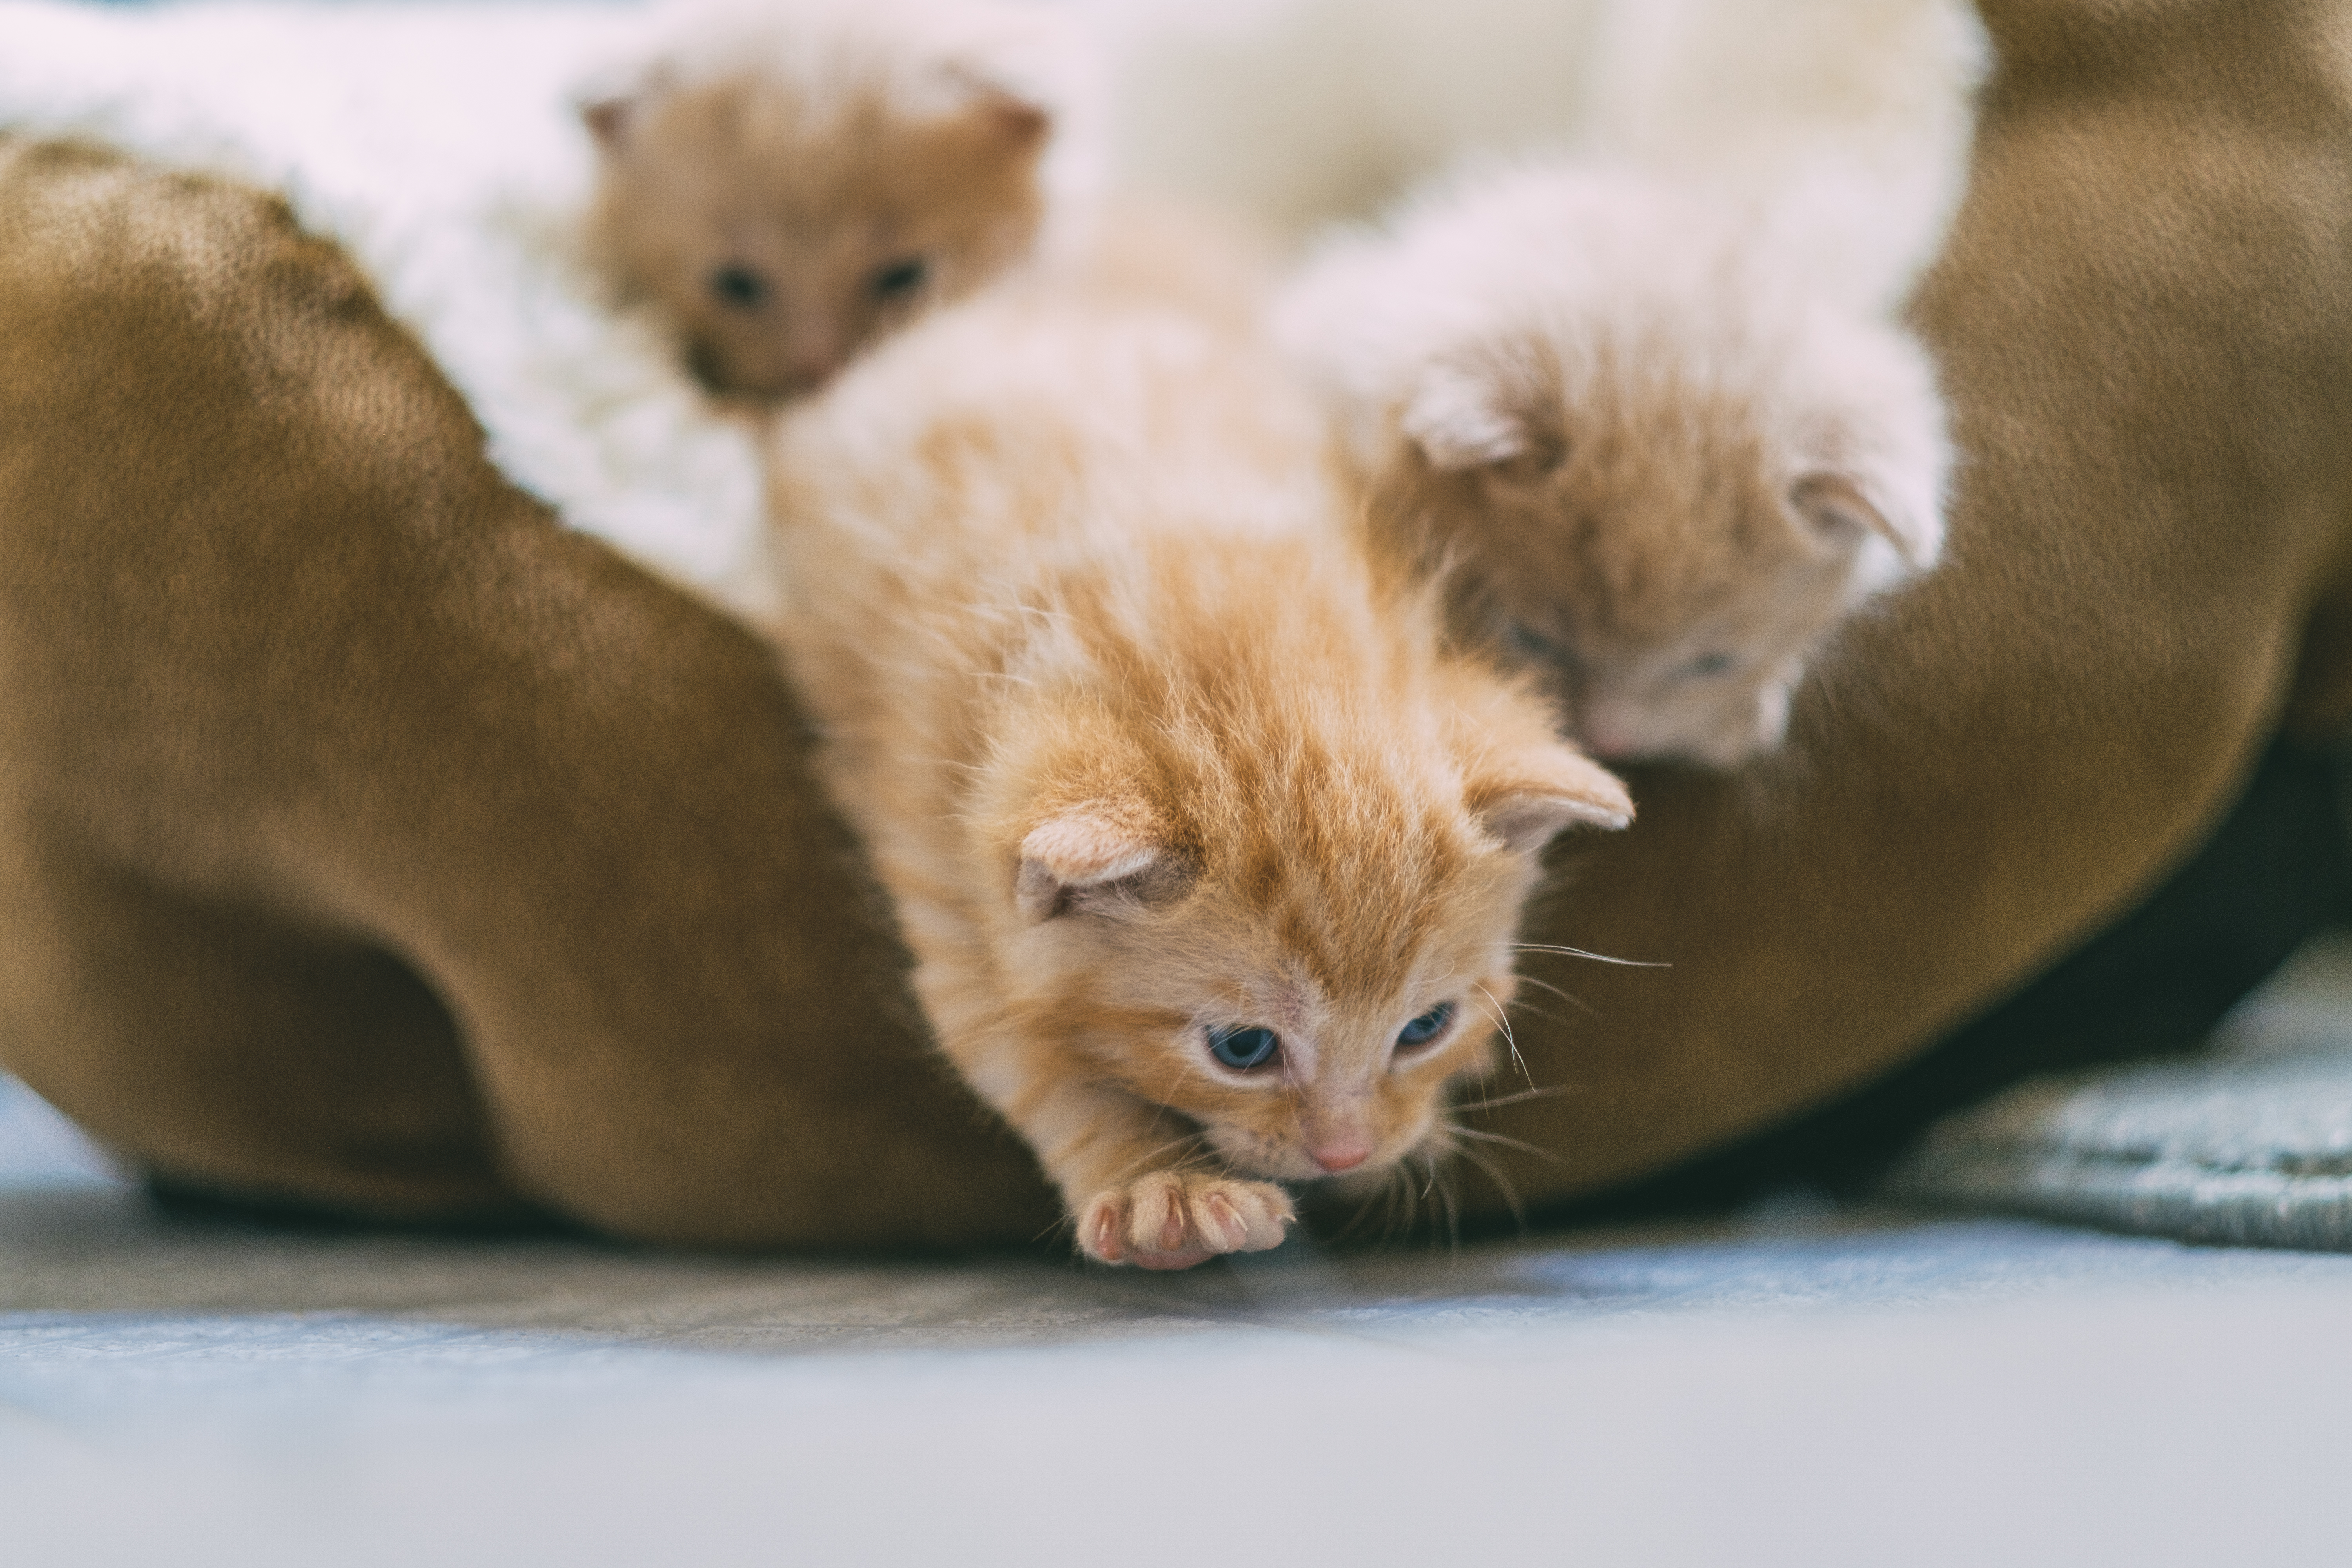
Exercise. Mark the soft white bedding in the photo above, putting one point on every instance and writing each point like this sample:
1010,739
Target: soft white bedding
438,144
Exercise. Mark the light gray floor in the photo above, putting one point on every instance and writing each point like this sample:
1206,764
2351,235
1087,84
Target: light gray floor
1808,1387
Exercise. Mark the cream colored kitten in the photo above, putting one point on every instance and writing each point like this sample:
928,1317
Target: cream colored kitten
1661,453
1210,856
787,181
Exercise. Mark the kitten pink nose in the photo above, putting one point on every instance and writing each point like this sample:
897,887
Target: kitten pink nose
1342,1156
1606,734
812,352
808,375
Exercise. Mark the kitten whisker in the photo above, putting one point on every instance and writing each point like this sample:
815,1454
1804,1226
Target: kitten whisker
1596,957
1363,1208
1521,1144
1502,1022
1499,1101
1445,1190
1526,979
1384,1200
1503,1184
1403,1205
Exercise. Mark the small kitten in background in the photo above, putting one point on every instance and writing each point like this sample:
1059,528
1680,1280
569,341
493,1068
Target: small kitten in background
1656,450
1210,854
787,180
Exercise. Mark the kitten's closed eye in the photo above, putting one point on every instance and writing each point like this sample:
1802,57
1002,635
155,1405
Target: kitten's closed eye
1532,643
898,279
1426,1028
1241,1049
738,287
1709,664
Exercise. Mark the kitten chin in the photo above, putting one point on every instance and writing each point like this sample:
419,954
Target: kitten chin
783,184
1210,852
1652,452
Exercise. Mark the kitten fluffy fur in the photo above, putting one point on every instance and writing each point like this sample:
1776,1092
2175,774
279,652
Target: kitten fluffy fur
1660,455
787,181
1152,753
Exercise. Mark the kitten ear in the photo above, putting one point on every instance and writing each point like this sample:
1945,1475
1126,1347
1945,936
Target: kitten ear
1081,851
1011,117
1534,796
614,98
1839,503
1458,422
1475,416
607,118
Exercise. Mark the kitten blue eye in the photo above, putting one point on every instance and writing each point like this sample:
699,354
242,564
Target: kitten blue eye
900,277
742,287
1708,664
1241,1049
1428,1027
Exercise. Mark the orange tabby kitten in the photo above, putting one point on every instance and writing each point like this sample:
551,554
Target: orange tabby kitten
1662,454
1210,855
787,181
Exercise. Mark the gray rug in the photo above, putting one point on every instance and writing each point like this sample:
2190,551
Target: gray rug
2249,1143
1810,1388
1819,1388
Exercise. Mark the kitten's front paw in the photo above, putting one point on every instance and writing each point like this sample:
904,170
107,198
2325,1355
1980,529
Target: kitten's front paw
1172,1219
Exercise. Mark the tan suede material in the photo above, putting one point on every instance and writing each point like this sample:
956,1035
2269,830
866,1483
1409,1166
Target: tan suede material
296,686
297,700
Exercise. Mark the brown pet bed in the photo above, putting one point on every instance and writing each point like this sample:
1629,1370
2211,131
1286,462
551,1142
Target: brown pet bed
368,841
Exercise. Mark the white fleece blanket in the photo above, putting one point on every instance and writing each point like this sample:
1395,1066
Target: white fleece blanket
437,144
1853,118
